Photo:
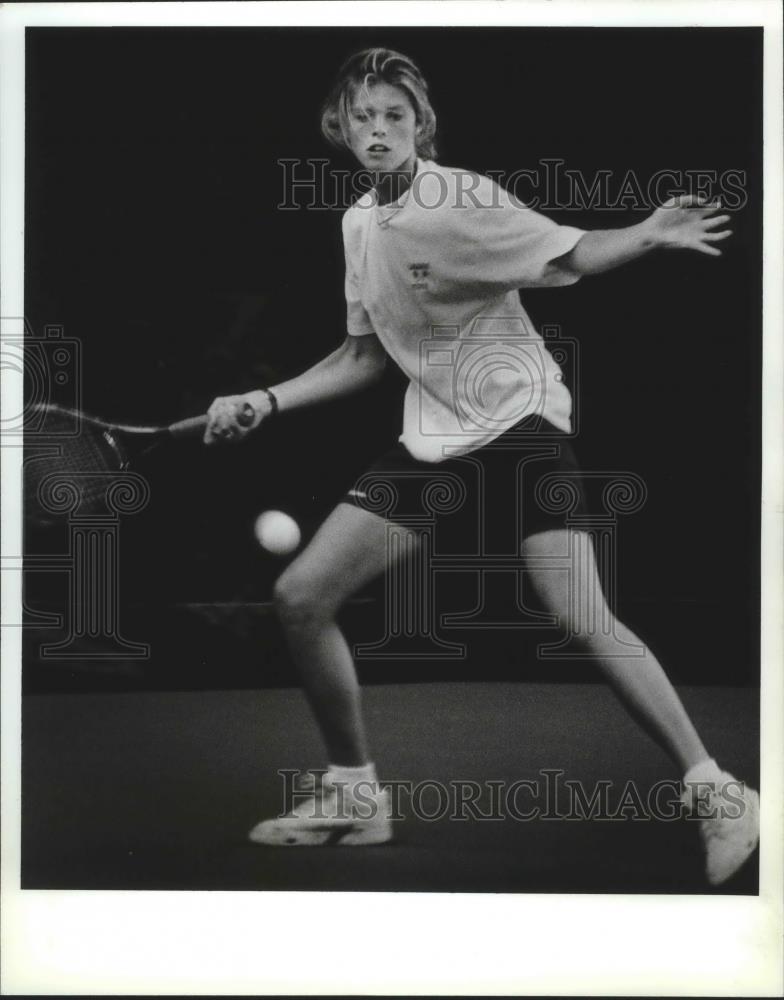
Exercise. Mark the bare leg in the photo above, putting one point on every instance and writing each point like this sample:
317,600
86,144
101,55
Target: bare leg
348,551
639,681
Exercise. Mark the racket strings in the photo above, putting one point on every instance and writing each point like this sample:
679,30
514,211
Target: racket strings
66,465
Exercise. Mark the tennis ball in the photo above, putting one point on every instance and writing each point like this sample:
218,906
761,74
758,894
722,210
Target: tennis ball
277,532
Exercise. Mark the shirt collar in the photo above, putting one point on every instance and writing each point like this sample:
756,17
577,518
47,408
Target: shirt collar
385,212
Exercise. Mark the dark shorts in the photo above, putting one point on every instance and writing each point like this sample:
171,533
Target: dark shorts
525,481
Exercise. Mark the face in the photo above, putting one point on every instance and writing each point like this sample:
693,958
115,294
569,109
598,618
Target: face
382,129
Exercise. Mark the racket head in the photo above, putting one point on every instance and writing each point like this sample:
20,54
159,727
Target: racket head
70,459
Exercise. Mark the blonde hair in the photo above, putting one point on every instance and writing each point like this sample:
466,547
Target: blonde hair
360,72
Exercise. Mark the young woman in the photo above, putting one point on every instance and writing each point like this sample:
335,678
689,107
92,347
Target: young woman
433,250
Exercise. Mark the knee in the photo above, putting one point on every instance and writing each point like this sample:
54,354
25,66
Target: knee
301,602
586,620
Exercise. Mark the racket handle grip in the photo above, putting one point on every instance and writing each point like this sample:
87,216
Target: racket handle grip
192,426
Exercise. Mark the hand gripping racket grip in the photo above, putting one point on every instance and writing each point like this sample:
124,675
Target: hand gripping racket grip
192,426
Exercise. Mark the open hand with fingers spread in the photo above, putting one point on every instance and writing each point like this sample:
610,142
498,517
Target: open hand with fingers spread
230,418
688,223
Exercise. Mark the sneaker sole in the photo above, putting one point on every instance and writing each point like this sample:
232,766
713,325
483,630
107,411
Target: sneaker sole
274,834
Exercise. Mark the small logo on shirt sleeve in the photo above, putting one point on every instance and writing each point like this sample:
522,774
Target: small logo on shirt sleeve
419,275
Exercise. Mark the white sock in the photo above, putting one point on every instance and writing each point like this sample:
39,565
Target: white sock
705,770
351,775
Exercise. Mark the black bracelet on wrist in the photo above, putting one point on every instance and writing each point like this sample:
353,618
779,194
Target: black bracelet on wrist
273,402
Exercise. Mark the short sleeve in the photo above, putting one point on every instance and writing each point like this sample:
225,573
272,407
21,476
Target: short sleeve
504,243
358,322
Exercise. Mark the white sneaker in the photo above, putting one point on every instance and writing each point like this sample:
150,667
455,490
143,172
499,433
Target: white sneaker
729,823
328,813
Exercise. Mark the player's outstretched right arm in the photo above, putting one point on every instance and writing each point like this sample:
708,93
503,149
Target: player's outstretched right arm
356,364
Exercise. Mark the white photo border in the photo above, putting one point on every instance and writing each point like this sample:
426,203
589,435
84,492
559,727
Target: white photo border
248,943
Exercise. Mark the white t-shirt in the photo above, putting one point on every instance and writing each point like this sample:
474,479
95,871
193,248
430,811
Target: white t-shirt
435,277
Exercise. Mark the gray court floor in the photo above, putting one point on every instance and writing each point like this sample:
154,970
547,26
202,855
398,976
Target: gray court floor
158,789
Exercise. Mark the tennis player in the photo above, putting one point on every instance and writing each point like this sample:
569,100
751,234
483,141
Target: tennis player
436,252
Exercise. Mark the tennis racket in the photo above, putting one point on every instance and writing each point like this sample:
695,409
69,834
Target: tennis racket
69,450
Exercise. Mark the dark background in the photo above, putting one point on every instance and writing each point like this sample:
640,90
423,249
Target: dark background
153,237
